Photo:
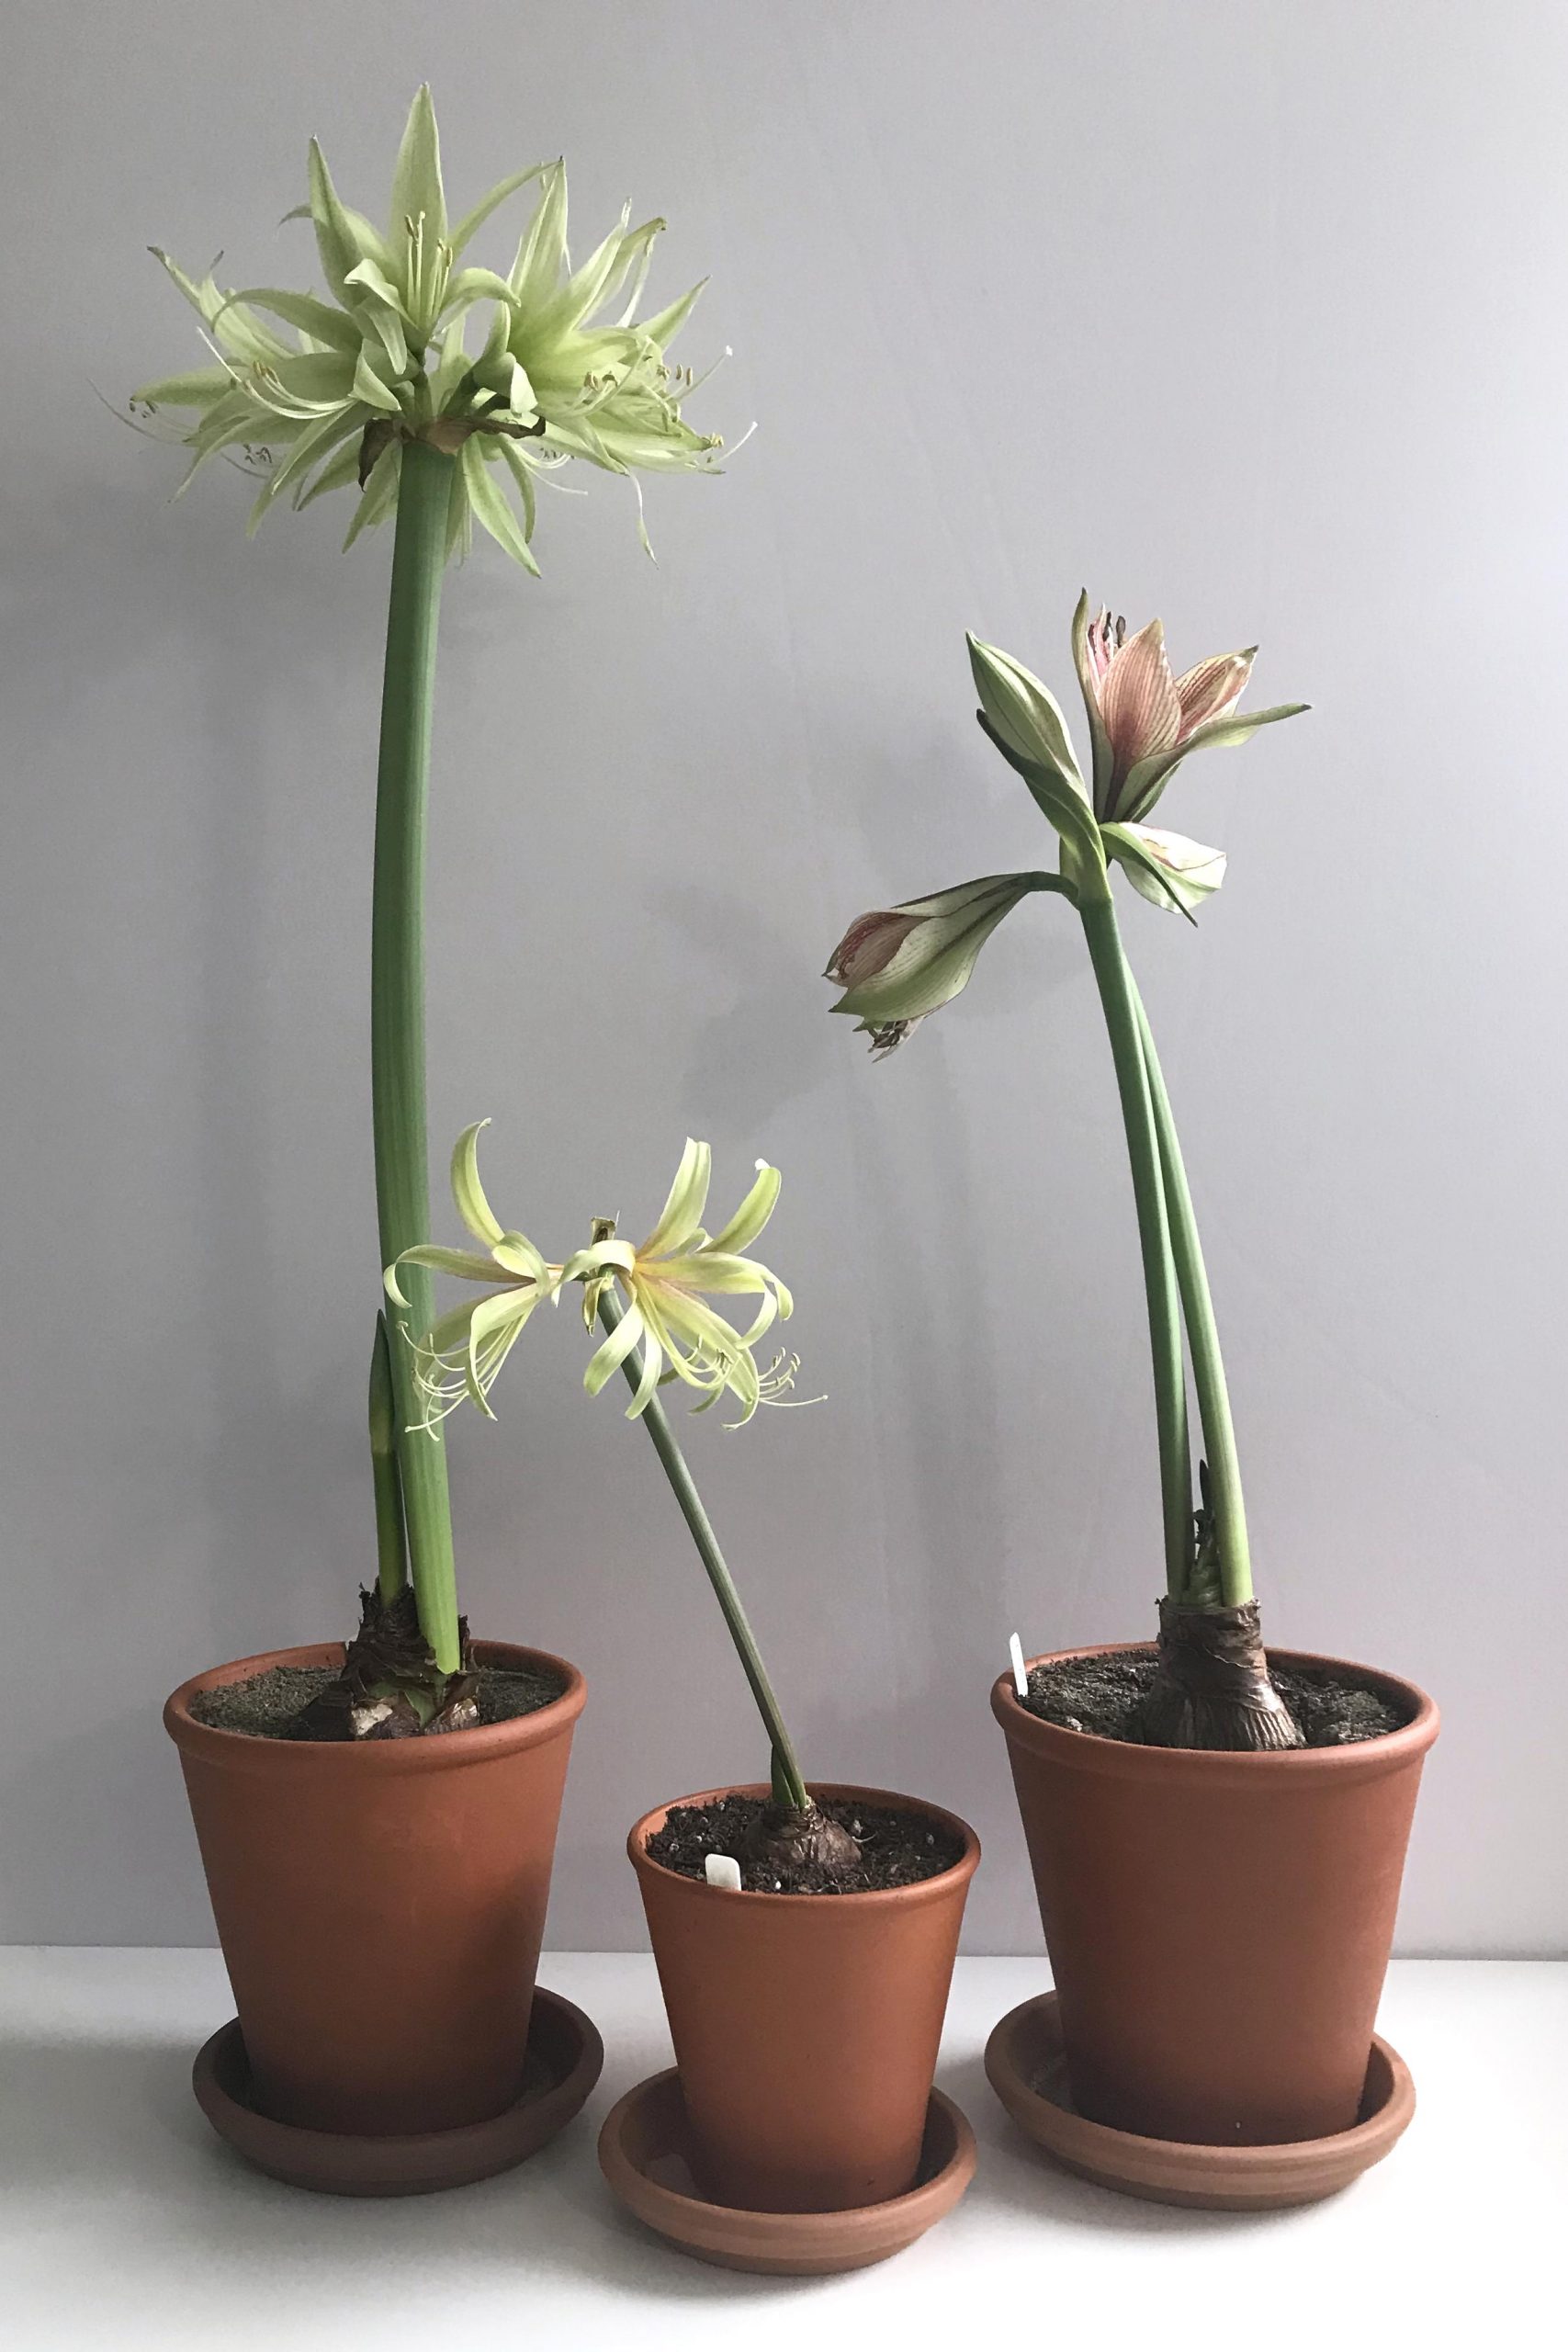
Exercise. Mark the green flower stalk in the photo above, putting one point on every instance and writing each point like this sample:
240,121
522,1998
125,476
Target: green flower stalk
897,965
439,391
651,1303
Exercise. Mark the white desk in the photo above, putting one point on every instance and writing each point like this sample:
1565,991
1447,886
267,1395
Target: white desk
125,2225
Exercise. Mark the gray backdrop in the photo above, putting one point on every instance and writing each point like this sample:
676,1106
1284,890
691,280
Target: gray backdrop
1248,314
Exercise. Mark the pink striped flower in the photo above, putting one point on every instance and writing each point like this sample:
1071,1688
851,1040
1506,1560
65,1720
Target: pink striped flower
1142,720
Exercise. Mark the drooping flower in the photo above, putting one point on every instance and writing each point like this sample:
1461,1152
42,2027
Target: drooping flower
384,360
898,963
667,1280
462,1353
1143,721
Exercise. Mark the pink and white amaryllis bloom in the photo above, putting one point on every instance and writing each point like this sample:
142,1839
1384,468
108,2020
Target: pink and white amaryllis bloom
1145,722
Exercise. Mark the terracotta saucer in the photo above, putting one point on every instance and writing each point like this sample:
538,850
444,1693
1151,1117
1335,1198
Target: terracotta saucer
1026,2066
642,2153
565,2056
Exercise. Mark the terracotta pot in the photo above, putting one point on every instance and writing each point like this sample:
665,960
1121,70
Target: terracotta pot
806,2026
1218,1925
380,1903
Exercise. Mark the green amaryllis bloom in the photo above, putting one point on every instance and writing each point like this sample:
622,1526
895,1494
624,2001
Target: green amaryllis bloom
384,359
667,1280
898,963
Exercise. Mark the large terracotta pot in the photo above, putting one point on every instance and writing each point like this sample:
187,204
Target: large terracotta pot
1219,1925
806,2026
380,1903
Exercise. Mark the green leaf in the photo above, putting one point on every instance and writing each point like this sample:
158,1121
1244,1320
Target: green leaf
416,176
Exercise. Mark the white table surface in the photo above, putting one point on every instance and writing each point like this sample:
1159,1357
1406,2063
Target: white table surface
124,2223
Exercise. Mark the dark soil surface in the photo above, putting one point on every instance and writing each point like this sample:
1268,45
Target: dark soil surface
1101,1695
269,1706
896,1848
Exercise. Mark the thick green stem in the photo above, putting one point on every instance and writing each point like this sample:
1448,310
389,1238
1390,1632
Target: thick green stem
1119,998
1202,1338
396,1012
392,1549
788,1784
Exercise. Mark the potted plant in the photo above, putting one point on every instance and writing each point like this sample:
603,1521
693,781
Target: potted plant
804,1932
378,1819
1216,1836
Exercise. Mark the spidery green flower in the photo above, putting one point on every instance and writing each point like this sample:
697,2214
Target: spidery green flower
384,358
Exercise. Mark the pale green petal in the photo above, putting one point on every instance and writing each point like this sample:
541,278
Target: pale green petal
665,325
306,311
466,1265
682,1212
1024,713
380,495
1166,868
609,1357
753,1213
471,222
493,508
542,252
468,1192
416,178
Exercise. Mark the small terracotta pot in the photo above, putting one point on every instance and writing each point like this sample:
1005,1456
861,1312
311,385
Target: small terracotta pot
1219,1925
806,2026
380,1903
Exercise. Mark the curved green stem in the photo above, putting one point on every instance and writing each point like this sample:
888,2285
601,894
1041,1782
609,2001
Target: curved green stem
1119,998
396,1012
1203,1338
788,1785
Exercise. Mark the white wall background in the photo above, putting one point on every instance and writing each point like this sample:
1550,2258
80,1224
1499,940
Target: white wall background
1249,313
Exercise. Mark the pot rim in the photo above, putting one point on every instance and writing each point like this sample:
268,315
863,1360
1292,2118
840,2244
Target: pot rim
925,1890
245,1751
1093,1752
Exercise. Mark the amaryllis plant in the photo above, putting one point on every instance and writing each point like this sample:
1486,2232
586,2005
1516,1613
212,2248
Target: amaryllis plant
651,1299
439,392
899,963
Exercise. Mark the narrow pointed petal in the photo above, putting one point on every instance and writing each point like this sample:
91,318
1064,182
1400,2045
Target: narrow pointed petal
752,1214
682,1212
416,178
468,1192
471,222
1089,669
609,1357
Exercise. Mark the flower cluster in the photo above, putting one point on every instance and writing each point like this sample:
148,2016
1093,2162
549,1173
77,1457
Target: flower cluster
666,1279
898,963
385,358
